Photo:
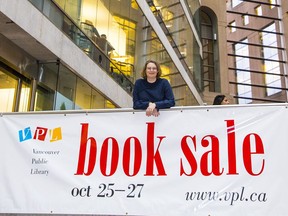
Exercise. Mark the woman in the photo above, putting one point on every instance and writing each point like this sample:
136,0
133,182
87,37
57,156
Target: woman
221,100
151,92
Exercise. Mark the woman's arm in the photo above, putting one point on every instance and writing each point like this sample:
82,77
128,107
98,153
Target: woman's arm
137,102
168,100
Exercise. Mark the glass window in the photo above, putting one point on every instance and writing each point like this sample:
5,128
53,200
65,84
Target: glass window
47,75
258,10
244,88
83,95
134,4
97,100
270,53
8,87
235,2
124,56
272,3
14,93
232,26
245,19
70,7
208,62
183,42
52,12
24,97
47,85
109,105
44,99
66,90
38,4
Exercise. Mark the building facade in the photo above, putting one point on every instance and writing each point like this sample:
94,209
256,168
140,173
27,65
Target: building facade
87,54
257,50
62,55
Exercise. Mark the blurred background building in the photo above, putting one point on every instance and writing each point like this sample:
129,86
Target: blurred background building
87,54
257,50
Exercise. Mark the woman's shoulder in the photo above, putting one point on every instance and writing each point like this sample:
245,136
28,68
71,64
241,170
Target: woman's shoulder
140,80
163,80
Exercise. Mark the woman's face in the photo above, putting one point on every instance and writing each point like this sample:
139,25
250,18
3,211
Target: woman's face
151,70
225,101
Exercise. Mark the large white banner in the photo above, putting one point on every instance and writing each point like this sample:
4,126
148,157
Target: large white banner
217,161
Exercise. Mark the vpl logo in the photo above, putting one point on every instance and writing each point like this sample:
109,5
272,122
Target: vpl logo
40,134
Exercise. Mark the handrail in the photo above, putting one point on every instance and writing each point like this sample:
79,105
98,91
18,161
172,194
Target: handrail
118,110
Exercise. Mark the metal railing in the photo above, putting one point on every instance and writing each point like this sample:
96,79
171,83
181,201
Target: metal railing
73,31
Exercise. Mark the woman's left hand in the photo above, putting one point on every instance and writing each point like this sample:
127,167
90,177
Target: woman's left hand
156,113
151,110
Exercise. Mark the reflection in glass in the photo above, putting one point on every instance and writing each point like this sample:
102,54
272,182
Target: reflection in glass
65,90
8,86
244,78
83,95
269,38
97,101
24,98
44,99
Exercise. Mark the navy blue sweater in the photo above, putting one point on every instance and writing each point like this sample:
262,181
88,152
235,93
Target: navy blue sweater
159,92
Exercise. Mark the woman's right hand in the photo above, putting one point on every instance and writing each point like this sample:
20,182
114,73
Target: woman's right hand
151,110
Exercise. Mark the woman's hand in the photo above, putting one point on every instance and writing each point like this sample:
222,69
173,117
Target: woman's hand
156,113
151,110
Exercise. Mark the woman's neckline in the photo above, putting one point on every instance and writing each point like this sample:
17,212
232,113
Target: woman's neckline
153,81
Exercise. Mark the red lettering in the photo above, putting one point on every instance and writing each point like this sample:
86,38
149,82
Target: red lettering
153,156
189,156
109,162
215,156
247,153
127,156
40,133
232,168
210,160
82,152
104,156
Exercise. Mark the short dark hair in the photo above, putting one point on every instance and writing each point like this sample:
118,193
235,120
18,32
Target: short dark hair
159,71
218,99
